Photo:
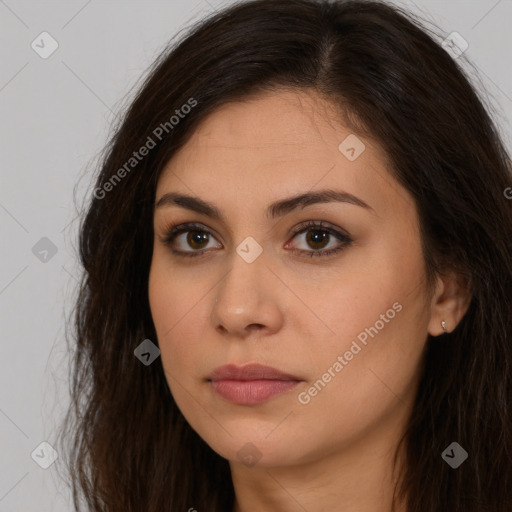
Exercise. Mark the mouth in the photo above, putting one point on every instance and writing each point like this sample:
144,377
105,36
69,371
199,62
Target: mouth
251,384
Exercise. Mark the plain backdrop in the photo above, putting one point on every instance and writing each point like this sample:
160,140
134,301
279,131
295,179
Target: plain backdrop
56,114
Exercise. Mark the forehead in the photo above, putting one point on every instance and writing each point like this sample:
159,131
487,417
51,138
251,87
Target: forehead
286,124
287,117
287,142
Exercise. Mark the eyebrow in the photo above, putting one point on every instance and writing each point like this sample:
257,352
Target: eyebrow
274,210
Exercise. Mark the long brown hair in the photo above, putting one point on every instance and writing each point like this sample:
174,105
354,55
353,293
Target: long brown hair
126,444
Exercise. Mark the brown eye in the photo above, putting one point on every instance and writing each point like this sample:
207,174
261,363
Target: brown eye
188,239
317,238
196,239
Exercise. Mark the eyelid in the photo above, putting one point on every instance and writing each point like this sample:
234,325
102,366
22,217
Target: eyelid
174,230
340,234
321,225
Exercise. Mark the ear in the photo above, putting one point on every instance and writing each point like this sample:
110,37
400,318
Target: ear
450,302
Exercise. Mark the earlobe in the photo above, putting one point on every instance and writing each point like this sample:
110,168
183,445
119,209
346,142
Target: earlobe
449,304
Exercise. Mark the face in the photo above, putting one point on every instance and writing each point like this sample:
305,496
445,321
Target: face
330,292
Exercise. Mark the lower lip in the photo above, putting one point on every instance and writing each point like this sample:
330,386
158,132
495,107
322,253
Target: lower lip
251,392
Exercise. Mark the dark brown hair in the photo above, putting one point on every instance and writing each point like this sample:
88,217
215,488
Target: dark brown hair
130,448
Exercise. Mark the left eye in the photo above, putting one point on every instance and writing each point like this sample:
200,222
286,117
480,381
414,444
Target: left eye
317,237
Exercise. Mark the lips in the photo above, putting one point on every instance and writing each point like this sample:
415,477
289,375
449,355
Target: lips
251,384
249,372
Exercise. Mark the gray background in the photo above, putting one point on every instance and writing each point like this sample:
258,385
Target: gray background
55,118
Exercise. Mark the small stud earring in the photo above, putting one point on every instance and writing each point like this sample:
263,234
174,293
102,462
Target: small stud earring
443,325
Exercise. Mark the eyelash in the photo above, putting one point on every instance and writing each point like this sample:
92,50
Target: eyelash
174,230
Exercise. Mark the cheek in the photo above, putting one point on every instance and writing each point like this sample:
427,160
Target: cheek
172,294
360,296
166,309
175,301
379,314
161,297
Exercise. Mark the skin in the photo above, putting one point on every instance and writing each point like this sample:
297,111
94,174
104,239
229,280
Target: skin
294,312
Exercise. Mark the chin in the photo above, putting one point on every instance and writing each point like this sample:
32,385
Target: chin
258,446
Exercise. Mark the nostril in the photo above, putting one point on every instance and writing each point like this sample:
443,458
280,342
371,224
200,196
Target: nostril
258,326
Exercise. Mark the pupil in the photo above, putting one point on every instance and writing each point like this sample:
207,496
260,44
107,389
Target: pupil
314,236
197,237
320,236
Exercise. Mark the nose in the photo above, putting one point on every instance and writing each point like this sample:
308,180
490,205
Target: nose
248,300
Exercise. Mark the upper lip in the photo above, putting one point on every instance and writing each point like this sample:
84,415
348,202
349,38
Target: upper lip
249,372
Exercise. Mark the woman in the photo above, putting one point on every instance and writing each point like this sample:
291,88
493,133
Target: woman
219,365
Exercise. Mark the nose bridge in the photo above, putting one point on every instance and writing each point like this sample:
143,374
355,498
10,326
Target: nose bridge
244,299
250,299
247,272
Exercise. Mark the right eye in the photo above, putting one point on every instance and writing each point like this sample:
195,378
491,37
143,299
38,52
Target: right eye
196,237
